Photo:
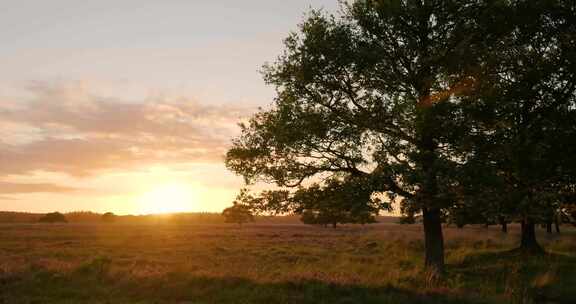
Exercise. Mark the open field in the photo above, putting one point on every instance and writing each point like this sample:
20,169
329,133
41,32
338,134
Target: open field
262,263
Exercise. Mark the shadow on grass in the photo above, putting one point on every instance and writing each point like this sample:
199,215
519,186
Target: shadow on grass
505,276
47,287
546,278
494,259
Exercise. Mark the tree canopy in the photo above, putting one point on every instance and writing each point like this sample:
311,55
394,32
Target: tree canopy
238,213
53,217
520,153
404,100
108,217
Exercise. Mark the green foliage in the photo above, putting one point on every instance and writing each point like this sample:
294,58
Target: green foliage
349,106
54,217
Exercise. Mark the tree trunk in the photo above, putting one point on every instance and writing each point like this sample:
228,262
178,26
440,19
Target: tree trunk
504,227
529,244
431,211
334,225
557,224
549,227
434,240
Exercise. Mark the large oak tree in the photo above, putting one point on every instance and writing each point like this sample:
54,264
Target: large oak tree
371,97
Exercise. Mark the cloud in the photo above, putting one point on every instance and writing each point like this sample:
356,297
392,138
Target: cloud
7,198
22,188
65,129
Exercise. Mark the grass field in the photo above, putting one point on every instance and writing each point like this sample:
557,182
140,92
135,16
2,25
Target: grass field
262,263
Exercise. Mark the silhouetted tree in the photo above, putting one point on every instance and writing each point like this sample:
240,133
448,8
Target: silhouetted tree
238,214
323,217
408,213
108,217
54,217
336,203
363,217
524,120
407,219
372,97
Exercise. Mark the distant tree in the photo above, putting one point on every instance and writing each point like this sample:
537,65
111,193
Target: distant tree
54,217
336,202
238,214
108,217
363,217
408,213
323,217
83,217
460,215
333,214
407,219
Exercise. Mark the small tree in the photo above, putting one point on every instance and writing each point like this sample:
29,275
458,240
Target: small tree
238,214
53,217
108,217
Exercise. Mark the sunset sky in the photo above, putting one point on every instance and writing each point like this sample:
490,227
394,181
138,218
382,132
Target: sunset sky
129,105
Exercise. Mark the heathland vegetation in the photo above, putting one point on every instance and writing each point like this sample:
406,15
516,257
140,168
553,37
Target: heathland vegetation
455,113
275,263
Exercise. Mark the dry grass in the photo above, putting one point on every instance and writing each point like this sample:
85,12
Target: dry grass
97,263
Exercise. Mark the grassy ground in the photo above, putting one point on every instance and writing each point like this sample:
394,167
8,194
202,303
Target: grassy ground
116,263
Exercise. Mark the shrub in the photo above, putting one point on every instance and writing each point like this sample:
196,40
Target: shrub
53,217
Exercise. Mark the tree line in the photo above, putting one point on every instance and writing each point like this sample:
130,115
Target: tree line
110,217
458,110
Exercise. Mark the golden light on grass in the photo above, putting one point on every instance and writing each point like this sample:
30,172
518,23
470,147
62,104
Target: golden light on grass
168,198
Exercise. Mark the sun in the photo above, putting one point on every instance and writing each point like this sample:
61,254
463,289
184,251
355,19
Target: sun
168,198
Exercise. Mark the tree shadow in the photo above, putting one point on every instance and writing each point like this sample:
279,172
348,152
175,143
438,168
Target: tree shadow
542,278
46,287
505,275
492,258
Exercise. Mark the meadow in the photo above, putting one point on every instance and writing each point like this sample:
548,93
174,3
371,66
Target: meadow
275,263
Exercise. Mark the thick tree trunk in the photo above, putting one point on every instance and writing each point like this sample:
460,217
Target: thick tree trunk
549,227
434,240
528,243
431,211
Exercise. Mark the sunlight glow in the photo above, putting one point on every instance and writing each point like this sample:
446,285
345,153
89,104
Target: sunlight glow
168,198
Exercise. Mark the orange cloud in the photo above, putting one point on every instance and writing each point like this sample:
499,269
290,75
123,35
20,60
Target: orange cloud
19,188
65,129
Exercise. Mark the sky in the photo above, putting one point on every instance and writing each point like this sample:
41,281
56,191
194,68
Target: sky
129,106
